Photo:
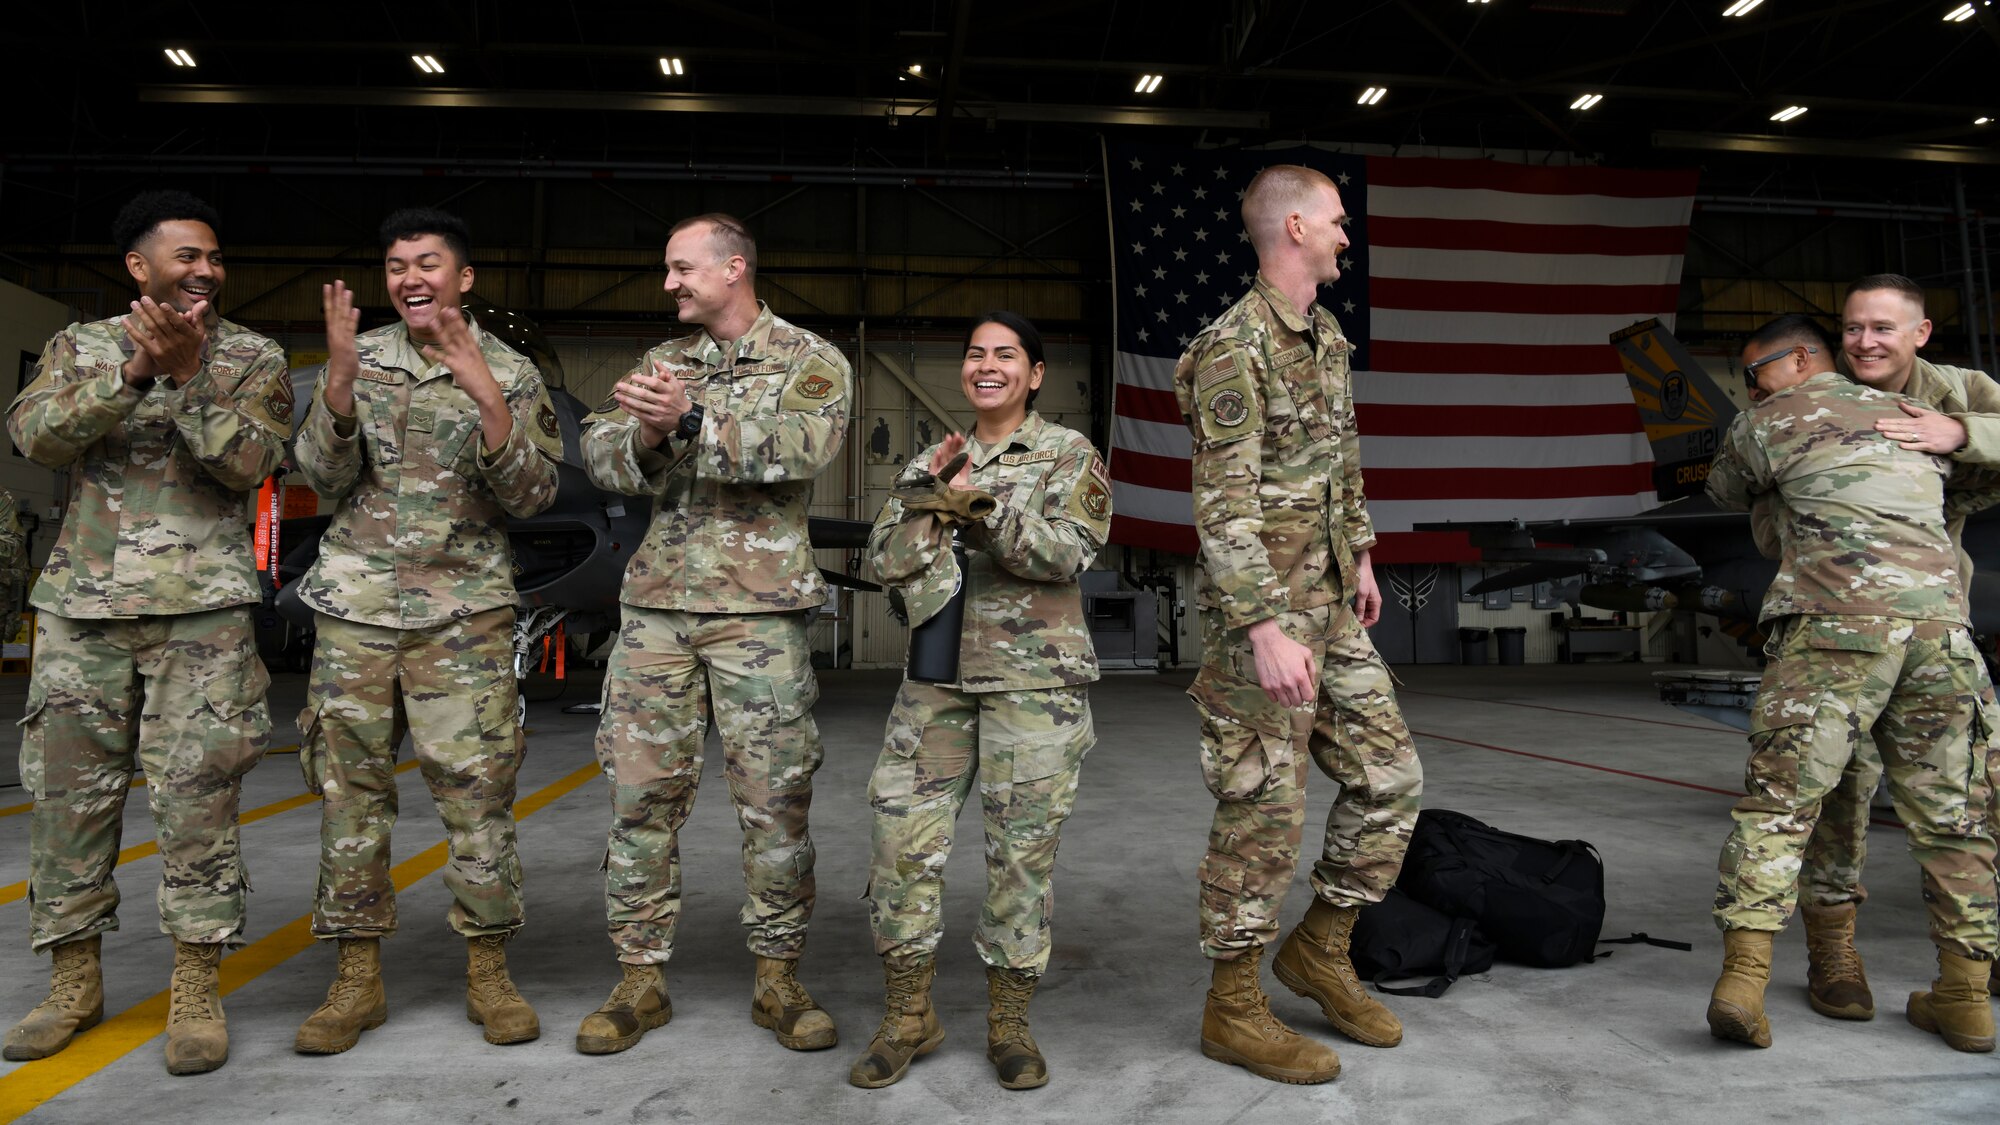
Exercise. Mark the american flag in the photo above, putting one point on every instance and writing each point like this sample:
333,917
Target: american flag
1481,297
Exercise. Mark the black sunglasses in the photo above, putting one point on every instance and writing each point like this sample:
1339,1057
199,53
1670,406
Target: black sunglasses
1750,369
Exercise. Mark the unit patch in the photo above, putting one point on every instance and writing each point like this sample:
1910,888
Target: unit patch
280,402
1095,500
1228,407
545,417
815,386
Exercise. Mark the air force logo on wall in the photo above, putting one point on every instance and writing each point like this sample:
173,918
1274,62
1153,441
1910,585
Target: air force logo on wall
1413,590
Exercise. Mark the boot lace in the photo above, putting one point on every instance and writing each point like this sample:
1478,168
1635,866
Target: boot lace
489,972
631,989
1258,1003
791,994
1838,961
191,998
1010,993
347,978
66,981
899,1001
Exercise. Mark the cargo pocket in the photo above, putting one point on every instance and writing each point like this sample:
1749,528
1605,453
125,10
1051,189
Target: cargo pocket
1038,780
791,743
34,774
312,754
1782,752
243,722
1222,879
1245,735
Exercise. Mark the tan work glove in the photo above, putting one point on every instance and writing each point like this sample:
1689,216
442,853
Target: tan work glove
934,493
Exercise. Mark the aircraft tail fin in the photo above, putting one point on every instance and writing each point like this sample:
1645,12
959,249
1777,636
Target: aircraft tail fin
1683,410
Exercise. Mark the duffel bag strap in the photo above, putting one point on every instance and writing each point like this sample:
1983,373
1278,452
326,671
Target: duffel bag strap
1641,939
1455,950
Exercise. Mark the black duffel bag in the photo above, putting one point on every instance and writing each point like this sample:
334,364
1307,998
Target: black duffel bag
1541,902
1399,938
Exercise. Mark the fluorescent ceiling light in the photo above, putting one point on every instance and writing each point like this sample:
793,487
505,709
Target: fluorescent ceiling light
1983,121
671,67
1789,113
1741,7
1372,95
916,69
428,64
1148,83
1588,101
1959,14
179,57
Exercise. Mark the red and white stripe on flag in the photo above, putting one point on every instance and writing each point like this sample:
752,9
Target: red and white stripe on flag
1492,390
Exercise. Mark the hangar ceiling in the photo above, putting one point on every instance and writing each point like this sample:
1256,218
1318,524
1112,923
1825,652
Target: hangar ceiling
573,132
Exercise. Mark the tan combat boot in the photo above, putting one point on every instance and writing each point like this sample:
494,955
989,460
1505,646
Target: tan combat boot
778,1001
1009,1045
354,1003
75,1003
909,1025
490,997
1956,1006
1836,984
638,1005
1736,1007
197,1038
1237,1028
1313,963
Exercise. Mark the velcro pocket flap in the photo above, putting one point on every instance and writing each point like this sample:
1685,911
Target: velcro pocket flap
1791,707
1226,695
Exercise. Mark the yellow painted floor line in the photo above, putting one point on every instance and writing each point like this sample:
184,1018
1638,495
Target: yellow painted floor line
16,810
32,1084
14,892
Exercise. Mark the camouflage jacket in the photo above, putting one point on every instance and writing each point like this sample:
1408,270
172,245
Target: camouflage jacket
729,520
419,532
1862,521
162,481
1969,396
1024,624
1278,502
13,564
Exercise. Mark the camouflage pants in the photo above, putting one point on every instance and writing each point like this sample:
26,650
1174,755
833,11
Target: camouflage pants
1027,748
181,696
668,670
1839,844
1254,755
1917,687
451,687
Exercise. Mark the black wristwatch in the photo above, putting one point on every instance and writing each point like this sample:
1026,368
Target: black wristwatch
690,424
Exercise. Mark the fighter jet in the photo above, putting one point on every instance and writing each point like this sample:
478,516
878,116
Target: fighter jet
1685,554
569,561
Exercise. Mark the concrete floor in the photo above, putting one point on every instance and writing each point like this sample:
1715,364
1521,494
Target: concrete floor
1552,751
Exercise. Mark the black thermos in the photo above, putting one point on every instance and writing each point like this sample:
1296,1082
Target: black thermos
934,644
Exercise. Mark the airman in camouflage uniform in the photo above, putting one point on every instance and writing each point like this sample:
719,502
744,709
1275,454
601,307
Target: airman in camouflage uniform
13,565
1289,676
1867,619
1017,716
1956,412
725,428
165,421
427,434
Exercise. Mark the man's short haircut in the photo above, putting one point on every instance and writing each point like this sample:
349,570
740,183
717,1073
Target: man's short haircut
416,222
730,237
140,218
1896,281
1276,192
1791,330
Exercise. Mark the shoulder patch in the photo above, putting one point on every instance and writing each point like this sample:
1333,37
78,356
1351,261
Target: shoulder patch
1226,407
1091,499
817,384
545,417
1216,372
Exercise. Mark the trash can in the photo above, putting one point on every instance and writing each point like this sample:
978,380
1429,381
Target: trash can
1472,646
1513,643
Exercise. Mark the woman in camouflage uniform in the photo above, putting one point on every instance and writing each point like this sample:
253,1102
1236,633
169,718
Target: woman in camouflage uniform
1030,502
